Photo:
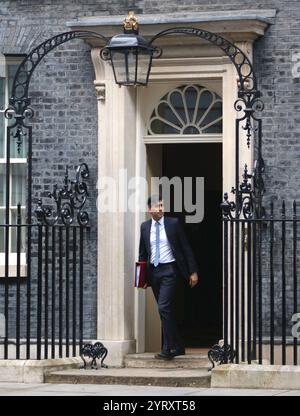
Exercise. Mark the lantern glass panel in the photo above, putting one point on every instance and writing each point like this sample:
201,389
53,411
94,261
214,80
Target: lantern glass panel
131,63
118,62
144,63
124,63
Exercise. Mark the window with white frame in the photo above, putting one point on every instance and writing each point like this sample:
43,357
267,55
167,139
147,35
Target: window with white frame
18,164
187,110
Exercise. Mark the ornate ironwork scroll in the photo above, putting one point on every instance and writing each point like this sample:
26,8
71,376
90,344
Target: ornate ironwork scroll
94,352
69,200
220,354
247,80
244,199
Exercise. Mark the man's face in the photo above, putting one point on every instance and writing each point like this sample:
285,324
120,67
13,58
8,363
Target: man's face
157,210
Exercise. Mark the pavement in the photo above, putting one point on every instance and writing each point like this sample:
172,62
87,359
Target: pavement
20,389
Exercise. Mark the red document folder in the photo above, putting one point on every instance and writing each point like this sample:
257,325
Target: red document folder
140,274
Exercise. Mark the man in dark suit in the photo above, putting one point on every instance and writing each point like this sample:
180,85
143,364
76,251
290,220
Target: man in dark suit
163,244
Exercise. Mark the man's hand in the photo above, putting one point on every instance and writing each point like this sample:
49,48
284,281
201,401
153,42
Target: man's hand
145,286
193,279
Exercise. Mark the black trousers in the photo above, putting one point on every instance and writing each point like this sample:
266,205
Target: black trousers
164,278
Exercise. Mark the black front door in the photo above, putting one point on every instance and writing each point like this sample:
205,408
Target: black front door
199,310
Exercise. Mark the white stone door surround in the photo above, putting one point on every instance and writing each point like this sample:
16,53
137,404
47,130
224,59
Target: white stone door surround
123,116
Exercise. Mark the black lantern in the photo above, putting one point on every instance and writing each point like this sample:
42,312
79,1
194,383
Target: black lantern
130,55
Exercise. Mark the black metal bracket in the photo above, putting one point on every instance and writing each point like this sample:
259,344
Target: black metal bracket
94,352
220,354
70,199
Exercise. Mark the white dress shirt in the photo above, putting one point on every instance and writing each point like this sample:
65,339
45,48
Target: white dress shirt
165,251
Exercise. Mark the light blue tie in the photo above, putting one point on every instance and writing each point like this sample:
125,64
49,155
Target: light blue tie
156,260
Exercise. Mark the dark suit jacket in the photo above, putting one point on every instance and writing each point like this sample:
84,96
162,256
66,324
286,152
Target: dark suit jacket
180,246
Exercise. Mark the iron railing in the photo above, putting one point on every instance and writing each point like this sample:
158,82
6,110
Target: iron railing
261,272
42,298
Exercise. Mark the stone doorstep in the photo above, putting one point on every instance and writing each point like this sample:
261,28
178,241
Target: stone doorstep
190,370
147,360
133,376
33,371
256,376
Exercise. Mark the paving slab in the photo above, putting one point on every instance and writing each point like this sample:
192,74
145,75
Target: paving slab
18,389
238,392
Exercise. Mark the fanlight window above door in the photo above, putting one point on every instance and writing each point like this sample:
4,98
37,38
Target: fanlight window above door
188,109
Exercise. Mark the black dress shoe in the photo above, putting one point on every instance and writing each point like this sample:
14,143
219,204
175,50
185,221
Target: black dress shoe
162,356
175,353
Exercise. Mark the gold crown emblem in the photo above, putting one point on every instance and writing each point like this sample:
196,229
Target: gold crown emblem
131,22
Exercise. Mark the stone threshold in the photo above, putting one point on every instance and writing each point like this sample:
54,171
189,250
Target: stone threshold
147,360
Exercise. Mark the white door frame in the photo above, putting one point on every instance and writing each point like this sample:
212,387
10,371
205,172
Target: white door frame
167,74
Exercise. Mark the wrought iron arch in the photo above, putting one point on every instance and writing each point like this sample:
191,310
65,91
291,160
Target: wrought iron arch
237,56
248,195
25,70
19,109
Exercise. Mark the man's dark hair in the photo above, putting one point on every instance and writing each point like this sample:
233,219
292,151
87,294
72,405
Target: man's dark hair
153,199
